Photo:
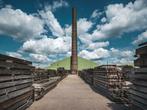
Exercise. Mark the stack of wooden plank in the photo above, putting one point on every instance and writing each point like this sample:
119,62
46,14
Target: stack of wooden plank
87,75
43,82
108,79
51,72
16,92
62,72
139,79
127,72
40,75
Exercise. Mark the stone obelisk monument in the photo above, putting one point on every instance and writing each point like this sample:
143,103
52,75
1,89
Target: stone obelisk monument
74,58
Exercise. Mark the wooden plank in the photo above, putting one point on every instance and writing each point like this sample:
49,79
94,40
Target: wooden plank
138,99
139,88
141,62
41,81
21,61
140,70
6,71
49,83
139,94
14,88
14,94
14,66
139,83
50,86
141,50
26,105
14,83
139,76
19,104
12,78
137,105
13,101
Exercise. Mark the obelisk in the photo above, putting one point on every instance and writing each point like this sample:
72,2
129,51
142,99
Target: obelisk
74,62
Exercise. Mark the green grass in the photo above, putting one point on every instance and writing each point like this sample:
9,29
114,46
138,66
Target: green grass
82,64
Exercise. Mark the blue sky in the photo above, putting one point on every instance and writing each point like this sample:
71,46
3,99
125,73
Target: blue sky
40,30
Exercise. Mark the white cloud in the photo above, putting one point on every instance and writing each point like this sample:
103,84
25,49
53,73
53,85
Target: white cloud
120,57
96,54
121,53
47,45
103,20
52,23
121,19
83,26
86,38
96,14
57,4
110,56
14,54
19,25
96,45
39,58
141,38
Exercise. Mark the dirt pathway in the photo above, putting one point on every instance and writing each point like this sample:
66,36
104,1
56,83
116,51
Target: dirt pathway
72,93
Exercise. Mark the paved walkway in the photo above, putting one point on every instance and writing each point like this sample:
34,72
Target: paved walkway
72,93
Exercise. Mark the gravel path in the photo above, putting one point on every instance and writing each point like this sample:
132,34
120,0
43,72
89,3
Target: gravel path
72,93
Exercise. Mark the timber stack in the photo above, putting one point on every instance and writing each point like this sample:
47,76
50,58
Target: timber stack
87,75
16,92
139,79
44,80
62,72
109,80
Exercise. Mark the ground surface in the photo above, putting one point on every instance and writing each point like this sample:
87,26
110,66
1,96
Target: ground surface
72,93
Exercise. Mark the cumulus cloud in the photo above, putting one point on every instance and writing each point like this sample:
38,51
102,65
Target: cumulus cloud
96,14
57,4
121,53
141,38
20,25
96,45
52,23
83,26
47,45
96,54
14,54
103,20
39,58
121,19
111,56
121,57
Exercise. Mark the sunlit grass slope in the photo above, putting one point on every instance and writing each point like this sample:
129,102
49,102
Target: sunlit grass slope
82,64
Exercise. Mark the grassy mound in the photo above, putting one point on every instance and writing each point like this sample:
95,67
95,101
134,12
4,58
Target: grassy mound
82,64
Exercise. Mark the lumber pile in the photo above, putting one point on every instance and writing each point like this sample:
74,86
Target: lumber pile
109,80
138,92
44,80
87,75
62,72
16,92
127,71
